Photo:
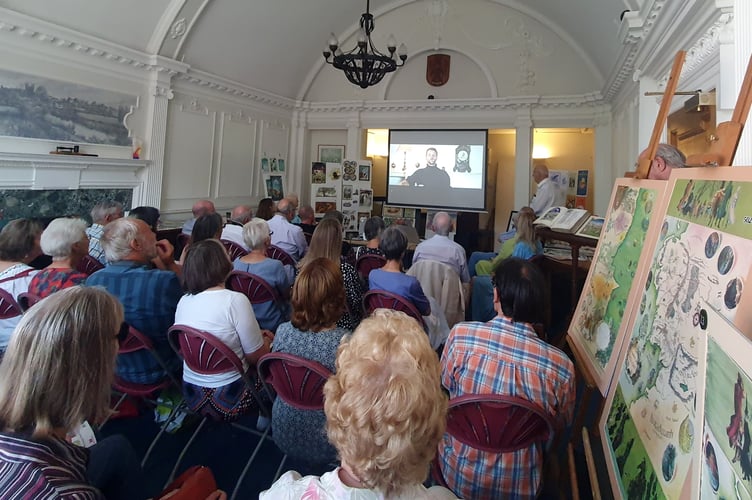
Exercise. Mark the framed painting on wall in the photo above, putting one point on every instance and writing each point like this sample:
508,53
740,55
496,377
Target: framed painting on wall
700,256
331,154
597,329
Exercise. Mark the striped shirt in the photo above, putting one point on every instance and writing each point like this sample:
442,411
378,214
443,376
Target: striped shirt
149,298
94,232
502,357
45,469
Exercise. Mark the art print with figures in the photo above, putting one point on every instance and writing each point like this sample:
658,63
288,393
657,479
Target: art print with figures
700,256
598,327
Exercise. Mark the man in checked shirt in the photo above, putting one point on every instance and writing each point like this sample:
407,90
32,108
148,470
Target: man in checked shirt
505,356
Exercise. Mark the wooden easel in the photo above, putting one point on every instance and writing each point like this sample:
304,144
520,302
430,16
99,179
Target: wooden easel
728,133
643,165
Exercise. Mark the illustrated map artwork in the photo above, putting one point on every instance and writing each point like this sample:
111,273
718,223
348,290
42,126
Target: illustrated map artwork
724,447
596,327
701,253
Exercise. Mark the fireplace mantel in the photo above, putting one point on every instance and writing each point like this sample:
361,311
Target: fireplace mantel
39,171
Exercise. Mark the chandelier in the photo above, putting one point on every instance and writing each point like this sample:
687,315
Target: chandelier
361,66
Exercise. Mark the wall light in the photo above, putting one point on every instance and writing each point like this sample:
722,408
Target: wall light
377,142
540,152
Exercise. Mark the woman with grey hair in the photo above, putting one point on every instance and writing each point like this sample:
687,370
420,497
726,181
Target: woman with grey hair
64,240
257,237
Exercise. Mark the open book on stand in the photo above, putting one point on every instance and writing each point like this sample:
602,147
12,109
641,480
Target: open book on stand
564,220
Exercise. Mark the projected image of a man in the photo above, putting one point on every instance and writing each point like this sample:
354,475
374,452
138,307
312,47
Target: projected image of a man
430,176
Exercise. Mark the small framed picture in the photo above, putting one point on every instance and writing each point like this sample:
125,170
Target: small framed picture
364,172
331,154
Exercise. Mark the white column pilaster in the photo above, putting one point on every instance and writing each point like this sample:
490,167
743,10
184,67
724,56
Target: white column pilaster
354,139
160,93
523,152
299,176
602,169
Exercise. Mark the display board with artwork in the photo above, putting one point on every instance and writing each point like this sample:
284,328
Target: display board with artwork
273,174
597,329
700,255
344,186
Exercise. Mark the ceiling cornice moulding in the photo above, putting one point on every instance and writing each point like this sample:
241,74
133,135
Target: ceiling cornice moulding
235,89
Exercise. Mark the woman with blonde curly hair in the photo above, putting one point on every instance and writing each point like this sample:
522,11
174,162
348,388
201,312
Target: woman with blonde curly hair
385,413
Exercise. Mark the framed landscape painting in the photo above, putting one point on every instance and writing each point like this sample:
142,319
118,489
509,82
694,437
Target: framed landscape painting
331,154
700,258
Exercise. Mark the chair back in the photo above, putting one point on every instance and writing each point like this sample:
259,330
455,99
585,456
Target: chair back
498,424
202,351
233,249
298,381
88,265
367,263
137,341
9,308
254,287
376,299
26,300
274,252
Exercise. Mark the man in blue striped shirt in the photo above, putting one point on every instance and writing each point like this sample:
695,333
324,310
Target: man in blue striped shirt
149,296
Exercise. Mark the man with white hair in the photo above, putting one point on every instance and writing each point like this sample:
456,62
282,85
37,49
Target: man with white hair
149,296
547,195
666,158
233,230
201,207
286,235
103,213
440,248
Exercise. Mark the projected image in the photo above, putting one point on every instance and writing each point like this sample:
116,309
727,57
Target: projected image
437,168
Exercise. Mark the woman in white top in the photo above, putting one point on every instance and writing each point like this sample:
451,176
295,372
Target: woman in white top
228,316
385,414
19,245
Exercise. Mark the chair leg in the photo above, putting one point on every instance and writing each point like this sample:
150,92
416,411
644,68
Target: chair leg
185,450
172,416
279,469
114,409
248,464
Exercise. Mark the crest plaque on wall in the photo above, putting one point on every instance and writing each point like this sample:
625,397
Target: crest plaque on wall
437,69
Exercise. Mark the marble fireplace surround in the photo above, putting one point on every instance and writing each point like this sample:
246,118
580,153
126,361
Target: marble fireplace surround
25,177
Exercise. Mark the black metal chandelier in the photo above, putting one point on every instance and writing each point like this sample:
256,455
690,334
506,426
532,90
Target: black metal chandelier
361,66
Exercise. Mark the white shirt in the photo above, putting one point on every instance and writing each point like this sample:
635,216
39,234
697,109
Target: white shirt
287,236
545,197
14,287
229,317
234,233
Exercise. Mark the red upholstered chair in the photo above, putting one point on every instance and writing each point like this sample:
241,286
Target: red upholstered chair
496,423
298,381
9,308
367,263
89,265
26,300
207,355
233,249
376,299
255,288
274,252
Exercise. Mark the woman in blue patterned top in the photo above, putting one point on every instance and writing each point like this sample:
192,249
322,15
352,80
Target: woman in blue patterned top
318,299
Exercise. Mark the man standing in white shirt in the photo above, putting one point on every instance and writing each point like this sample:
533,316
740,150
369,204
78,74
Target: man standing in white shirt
286,235
547,194
233,230
440,248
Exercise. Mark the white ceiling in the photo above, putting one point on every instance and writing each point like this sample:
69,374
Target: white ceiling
273,45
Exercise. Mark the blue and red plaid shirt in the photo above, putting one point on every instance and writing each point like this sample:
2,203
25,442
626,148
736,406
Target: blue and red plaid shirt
502,357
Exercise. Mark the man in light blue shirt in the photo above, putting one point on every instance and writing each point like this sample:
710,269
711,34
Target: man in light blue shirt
286,235
440,248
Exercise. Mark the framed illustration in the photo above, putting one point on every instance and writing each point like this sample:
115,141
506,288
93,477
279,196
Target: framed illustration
592,227
699,255
274,188
364,173
510,222
724,402
598,326
331,154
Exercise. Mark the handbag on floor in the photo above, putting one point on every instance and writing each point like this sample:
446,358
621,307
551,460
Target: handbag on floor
196,483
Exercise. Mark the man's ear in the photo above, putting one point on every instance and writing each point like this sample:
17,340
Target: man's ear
135,245
660,163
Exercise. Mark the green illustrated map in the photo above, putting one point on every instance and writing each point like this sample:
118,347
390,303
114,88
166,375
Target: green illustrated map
703,255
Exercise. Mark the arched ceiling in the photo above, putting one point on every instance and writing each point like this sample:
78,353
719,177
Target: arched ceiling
273,45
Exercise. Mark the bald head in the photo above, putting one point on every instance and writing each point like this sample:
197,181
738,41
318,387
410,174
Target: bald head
540,172
202,207
293,197
242,214
286,208
442,223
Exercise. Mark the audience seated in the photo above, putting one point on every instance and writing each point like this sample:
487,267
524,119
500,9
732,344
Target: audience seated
233,230
307,219
206,227
19,245
385,414
346,247
373,228
327,242
318,300
66,242
201,207
286,235
150,215
149,296
256,236
57,373
265,209
440,248
295,200
102,214
390,278
515,362
228,316
482,263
